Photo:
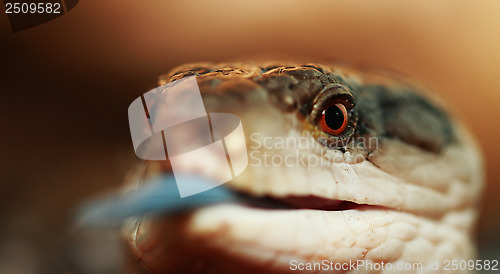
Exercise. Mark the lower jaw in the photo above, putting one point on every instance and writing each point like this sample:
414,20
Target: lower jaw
231,238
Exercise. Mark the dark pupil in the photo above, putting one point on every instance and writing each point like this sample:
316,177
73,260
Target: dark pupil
334,118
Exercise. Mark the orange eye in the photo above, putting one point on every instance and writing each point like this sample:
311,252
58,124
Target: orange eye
334,119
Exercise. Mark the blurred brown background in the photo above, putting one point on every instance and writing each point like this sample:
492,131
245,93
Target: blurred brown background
66,86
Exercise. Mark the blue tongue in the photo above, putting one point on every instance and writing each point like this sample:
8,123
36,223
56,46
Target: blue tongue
158,196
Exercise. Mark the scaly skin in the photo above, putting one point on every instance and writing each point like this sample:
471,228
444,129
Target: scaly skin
413,174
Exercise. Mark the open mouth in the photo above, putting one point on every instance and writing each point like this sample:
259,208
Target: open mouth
229,227
158,197
303,202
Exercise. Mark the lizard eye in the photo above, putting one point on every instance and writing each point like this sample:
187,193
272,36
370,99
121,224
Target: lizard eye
334,119
333,116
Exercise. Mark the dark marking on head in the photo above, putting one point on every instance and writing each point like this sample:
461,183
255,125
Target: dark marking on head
401,113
